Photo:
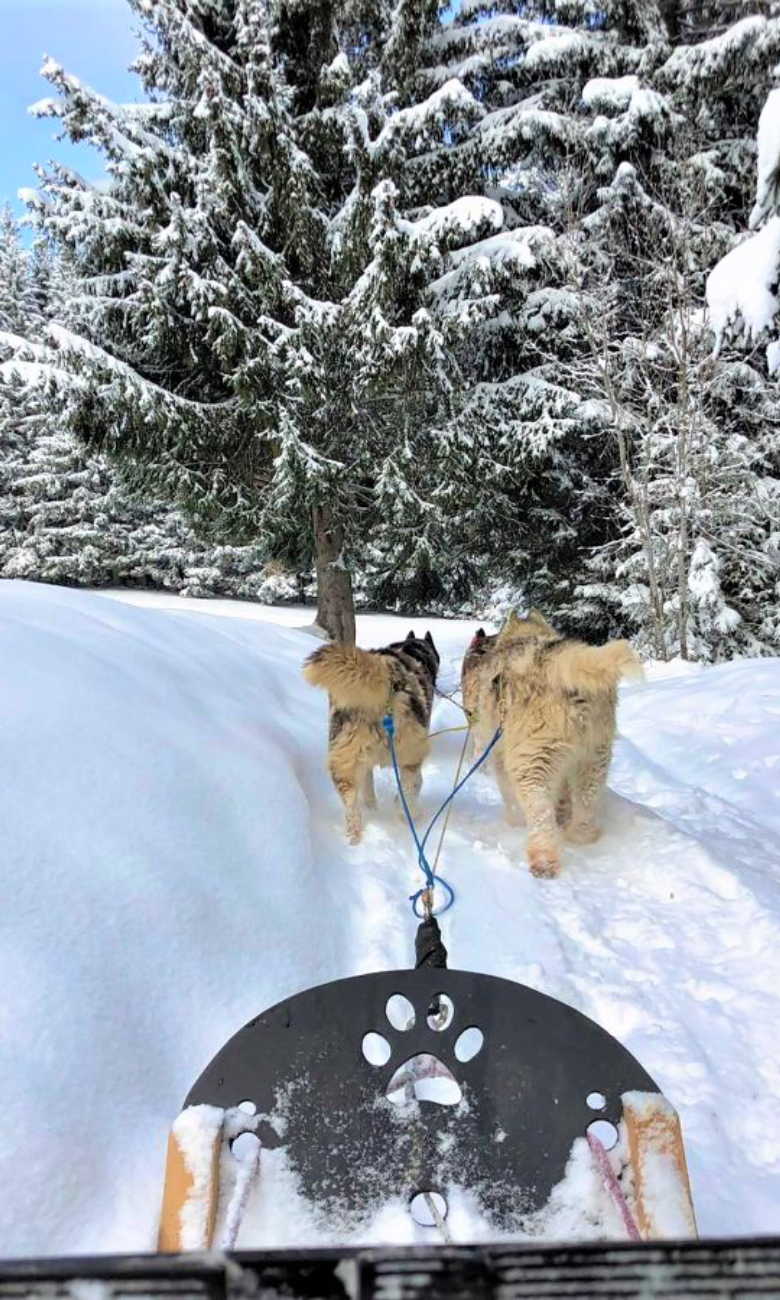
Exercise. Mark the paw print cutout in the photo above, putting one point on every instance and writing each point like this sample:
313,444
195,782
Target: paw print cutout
424,1076
414,1083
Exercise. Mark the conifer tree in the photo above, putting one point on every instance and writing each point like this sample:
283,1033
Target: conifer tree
254,329
384,292
689,568
65,514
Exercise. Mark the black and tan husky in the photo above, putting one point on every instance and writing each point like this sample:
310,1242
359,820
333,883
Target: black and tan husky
363,686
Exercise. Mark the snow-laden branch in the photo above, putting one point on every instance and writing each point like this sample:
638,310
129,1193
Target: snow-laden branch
457,222
768,179
741,289
75,345
747,41
419,124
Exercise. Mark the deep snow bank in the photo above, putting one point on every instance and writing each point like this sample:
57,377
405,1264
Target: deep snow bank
173,862
156,842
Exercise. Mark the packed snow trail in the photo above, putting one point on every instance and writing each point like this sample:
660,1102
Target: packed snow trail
174,862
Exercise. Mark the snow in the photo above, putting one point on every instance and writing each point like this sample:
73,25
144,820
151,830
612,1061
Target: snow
46,107
741,287
712,58
556,50
768,159
34,198
419,120
609,92
277,1214
174,862
196,1130
513,250
643,107
457,221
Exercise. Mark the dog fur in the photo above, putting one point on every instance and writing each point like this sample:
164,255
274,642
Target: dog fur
557,701
362,686
480,645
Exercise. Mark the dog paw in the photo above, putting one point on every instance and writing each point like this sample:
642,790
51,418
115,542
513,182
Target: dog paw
354,833
584,833
412,805
512,816
544,864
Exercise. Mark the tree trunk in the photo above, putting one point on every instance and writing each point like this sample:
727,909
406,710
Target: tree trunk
671,16
335,604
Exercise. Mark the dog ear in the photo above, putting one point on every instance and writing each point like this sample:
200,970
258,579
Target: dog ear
430,641
536,617
429,638
479,635
410,636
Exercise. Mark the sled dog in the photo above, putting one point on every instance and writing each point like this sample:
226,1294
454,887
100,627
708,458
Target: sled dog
363,686
480,645
556,700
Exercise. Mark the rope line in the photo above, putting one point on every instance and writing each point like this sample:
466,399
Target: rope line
247,1171
433,1210
389,725
431,879
409,1079
447,731
449,810
444,696
455,790
613,1186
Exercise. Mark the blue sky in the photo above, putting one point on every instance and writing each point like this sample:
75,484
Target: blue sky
92,39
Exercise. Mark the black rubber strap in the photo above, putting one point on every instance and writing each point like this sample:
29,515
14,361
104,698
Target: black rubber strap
429,948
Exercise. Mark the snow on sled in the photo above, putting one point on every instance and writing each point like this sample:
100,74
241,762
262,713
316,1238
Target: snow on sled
500,1082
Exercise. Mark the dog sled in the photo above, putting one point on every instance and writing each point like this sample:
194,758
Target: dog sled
534,1075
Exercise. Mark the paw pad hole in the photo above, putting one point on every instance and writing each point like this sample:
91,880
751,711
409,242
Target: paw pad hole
440,1012
424,1078
400,1012
421,1211
469,1043
376,1049
606,1133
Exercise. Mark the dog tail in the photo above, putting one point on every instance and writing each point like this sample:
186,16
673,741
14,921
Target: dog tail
353,678
594,670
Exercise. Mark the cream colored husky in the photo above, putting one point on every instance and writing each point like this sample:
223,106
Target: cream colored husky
557,701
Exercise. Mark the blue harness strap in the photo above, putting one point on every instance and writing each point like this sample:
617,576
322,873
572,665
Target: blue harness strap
430,878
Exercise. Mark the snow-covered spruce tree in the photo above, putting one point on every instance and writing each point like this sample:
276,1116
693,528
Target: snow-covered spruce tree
18,300
742,289
525,487
254,329
65,514
62,517
720,86
578,107
319,319
690,569
18,409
